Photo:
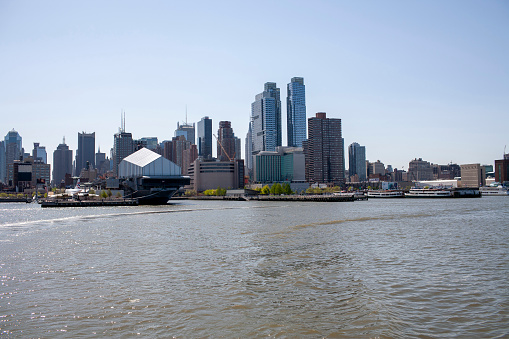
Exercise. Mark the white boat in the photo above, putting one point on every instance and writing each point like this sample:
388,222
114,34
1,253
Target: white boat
386,194
494,190
429,193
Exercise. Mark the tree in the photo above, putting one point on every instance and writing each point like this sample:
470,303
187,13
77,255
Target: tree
91,191
104,195
278,190
221,191
287,189
265,190
109,193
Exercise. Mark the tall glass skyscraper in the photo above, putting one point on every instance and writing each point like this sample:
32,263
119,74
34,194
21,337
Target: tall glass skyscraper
205,137
62,163
249,148
13,151
357,160
266,119
85,152
296,112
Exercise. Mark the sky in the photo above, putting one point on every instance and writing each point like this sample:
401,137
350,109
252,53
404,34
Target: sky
408,79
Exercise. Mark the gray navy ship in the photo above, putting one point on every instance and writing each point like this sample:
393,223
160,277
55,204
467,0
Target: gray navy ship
150,178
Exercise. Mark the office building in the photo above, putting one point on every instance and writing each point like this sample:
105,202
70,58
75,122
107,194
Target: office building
39,153
419,170
249,150
225,142
205,137
473,175
502,169
3,165
186,130
189,156
13,150
27,174
357,161
149,142
266,119
377,168
296,112
211,174
85,152
238,148
446,172
101,163
324,150
123,146
286,164
62,163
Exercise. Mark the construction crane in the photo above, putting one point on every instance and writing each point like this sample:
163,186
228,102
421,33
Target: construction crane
221,144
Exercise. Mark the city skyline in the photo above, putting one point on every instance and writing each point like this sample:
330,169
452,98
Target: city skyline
403,88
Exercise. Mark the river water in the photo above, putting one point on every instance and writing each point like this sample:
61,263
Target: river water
366,269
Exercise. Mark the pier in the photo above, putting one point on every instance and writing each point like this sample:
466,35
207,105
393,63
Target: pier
316,198
89,203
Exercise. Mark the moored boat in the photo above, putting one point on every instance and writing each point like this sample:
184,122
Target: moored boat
463,192
494,191
385,194
428,193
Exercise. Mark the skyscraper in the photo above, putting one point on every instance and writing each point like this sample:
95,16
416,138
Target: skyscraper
266,119
85,151
249,150
13,147
296,112
187,130
39,153
205,137
324,150
3,165
62,163
225,142
100,162
357,161
123,146
238,148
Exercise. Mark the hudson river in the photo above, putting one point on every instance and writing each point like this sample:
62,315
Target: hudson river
380,268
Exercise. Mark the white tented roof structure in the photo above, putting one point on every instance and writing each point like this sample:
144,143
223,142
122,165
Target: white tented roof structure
147,163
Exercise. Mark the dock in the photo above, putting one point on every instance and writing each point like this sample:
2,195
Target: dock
316,198
88,203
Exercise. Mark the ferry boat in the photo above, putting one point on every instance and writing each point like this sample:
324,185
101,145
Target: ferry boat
463,192
429,193
494,190
386,194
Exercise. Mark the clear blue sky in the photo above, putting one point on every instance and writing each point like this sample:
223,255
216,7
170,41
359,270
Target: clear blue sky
408,79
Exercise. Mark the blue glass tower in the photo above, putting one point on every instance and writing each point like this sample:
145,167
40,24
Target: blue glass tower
205,137
357,160
296,112
266,119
